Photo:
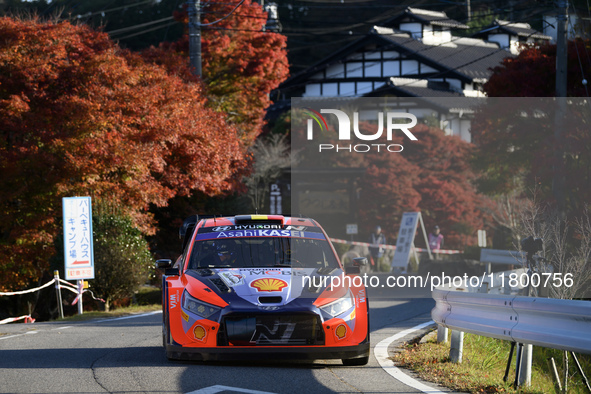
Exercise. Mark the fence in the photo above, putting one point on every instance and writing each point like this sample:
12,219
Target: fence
385,246
59,284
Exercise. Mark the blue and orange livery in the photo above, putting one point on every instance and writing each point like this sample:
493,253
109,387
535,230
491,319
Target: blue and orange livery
261,286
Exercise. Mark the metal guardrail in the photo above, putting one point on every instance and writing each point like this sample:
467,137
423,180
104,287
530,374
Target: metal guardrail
497,256
545,322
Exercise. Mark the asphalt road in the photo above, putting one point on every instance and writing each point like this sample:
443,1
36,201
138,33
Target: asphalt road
126,355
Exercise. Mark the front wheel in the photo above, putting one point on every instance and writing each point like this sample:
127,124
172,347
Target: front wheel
351,362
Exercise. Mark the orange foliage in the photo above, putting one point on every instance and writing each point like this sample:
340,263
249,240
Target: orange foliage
241,63
83,117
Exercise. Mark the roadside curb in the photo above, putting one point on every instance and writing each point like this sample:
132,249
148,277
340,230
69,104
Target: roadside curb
382,354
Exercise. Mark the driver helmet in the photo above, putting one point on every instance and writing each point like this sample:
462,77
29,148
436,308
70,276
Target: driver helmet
225,248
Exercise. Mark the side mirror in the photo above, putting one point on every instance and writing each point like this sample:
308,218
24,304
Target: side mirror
163,264
166,265
358,262
352,269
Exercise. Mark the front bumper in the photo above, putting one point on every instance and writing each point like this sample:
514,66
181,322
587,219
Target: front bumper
288,353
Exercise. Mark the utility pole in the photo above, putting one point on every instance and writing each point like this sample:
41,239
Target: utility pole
195,35
561,47
560,114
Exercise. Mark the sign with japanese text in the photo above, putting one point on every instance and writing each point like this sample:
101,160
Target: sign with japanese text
78,253
406,237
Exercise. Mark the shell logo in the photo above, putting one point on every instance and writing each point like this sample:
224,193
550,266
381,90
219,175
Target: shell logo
341,331
268,284
199,333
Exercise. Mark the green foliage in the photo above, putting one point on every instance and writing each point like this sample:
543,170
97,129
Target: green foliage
122,257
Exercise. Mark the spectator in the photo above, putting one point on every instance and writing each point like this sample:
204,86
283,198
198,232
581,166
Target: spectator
435,240
376,252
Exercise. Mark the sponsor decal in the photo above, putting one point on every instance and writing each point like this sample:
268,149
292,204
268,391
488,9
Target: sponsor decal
261,271
263,233
185,316
248,227
280,332
200,333
268,284
231,279
174,300
222,228
269,308
341,331
297,228
361,295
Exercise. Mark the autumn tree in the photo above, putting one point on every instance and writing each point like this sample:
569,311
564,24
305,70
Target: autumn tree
532,73
518,148
241,65
83,117
432,174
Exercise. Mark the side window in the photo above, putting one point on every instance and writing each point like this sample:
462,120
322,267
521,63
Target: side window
181,262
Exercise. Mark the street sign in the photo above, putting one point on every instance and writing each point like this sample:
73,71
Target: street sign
78,252
482,238
406,237
352,229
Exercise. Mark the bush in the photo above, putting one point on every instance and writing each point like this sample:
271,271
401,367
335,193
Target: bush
121,256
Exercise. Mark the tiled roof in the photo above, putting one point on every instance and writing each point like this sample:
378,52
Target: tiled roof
436,18
517,29
428,91
472,58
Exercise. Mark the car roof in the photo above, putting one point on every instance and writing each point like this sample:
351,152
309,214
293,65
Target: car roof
258,219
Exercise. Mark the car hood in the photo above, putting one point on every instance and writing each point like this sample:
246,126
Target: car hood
267,286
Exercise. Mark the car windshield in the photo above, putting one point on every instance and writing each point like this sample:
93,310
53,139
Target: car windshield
262,252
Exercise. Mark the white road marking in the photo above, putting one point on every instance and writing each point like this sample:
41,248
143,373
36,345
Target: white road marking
128,317
381,354
17,335
219,388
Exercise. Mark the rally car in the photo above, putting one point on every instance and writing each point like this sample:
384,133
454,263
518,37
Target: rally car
262,286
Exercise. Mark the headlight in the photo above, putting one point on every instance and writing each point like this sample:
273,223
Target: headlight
197,307
339,306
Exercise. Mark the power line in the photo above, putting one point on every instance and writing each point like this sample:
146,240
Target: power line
89,14
125,29
148,30
223,18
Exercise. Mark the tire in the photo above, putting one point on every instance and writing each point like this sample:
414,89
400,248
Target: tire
352,362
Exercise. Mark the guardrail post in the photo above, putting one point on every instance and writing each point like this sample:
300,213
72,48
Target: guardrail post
441,334
509,362
457,346
525,372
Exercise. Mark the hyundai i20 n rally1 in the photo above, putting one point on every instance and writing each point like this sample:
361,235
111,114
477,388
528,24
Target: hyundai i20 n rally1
261,287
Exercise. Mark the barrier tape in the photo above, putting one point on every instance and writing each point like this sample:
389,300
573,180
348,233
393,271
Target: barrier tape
74,289
62,285
393,247
28,319
27,291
